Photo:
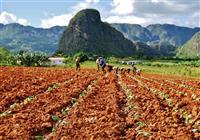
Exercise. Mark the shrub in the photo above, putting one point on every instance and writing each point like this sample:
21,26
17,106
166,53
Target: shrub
83,56
32,59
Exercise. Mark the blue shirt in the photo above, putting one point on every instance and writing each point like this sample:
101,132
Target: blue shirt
102,62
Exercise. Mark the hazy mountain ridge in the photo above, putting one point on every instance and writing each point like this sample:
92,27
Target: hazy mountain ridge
16,37
161,38
170,33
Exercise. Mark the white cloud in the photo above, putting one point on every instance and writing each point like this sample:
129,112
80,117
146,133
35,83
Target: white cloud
23,21
92,1
126,19
122,7
61,20
142,12
7,18
85,4
156,1
161,20
194,20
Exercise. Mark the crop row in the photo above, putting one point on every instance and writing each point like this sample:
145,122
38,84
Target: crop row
154,116
39,115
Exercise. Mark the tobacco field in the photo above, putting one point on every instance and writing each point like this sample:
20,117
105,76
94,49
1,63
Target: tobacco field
62,104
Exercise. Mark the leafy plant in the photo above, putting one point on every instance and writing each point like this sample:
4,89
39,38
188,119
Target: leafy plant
65,111
55,85
54,129
186,116
39,137
28,99
62,122
195,130
136,116
129,96
13,106
140,124
5,114
55,118
32,59
130,106
51,88
74,101
82,94
144,133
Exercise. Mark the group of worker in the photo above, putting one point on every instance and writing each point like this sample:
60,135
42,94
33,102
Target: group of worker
101,64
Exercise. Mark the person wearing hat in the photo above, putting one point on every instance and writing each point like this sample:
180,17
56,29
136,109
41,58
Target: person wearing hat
101,63
78,66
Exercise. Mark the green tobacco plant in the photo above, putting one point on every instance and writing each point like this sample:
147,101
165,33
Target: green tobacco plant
65,111
186,116
13,106
136,116
82,94
54,129
74,101
39,138
51,88
28,99
5,114
140,124
55,118
144,133
129,96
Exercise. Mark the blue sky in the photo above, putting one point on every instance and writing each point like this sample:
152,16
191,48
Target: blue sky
48,13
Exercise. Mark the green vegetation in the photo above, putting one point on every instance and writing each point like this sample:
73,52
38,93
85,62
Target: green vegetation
16,37
27,58
174,35
175,67
175,70
191,49
6,58
55,118
39,138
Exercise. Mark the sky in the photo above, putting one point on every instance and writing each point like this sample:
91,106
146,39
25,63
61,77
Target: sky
49,13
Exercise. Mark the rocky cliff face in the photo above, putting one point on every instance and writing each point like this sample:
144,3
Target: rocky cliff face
190,49
87,33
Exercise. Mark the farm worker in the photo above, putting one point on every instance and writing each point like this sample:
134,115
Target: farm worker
134,69
116,69
123,70
128,70
138,72
78,67
109,68
101,63
97,63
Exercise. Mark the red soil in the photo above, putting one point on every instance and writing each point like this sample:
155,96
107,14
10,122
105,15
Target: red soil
61,104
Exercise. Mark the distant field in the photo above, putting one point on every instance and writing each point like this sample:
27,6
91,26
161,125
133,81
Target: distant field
158,67
60,103
185,71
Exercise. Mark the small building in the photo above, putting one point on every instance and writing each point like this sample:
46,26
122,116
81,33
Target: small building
57,61
132,62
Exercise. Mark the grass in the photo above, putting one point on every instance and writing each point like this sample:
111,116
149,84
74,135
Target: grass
186,71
